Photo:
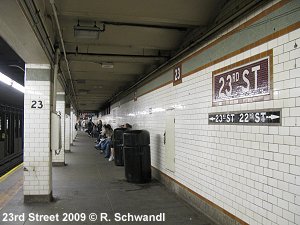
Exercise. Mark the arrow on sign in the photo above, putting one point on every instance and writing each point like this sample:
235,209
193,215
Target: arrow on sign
273,117
212,118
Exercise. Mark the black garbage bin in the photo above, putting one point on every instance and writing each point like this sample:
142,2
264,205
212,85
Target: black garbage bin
137,156
118,146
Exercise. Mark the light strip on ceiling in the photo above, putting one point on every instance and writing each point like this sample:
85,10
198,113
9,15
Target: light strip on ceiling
6,80
88,32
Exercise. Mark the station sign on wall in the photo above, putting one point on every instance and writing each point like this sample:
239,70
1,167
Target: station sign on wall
242,81
177,75
261,117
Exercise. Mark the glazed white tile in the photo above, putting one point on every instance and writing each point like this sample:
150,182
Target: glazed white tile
37,175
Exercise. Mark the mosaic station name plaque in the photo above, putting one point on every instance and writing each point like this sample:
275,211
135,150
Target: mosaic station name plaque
250,117
241,83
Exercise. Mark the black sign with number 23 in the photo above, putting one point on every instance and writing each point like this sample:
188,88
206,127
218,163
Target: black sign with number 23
37,104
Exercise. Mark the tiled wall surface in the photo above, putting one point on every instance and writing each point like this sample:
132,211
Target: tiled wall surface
37,158
252,172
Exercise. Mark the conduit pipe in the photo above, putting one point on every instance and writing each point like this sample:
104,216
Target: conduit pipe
64,50
55,78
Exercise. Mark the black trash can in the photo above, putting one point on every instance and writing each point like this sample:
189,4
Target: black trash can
137,156
118,146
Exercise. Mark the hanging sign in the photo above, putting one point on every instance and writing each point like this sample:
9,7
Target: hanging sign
249,117
246,81
134,96
177,75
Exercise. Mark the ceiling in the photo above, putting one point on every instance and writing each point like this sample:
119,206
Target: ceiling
12,66
10,63
137,37
10,96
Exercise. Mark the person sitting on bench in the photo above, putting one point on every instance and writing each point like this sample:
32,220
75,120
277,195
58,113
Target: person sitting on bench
104,144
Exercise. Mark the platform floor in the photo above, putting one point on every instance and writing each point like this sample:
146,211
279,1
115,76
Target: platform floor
91,184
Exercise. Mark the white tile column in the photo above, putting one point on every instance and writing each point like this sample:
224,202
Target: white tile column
71,125
58,157
67,131
37,158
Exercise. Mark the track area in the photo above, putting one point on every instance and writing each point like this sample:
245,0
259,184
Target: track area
11,137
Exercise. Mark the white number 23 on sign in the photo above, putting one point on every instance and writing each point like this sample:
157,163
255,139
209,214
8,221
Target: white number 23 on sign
177,74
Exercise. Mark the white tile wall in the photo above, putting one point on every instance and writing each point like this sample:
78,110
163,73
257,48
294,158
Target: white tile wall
37,157
253,172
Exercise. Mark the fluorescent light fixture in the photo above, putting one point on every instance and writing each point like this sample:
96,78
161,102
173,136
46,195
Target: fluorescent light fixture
18,86
5,79
88,32
107,65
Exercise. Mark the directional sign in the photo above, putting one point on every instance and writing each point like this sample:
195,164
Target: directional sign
249,117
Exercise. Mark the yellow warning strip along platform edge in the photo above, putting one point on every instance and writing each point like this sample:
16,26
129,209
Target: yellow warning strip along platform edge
3,177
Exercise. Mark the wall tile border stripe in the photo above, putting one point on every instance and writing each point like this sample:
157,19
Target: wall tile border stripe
241,50
239,28
244,61
277,34
247,47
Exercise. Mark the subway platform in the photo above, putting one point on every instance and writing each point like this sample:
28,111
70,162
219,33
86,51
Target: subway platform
91,184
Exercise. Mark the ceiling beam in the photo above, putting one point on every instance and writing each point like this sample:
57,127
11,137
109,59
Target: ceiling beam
180,28
117,55
115,59
85,44
64,14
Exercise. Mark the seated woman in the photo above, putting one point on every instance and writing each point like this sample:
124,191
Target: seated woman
108,143
101,138
105,144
